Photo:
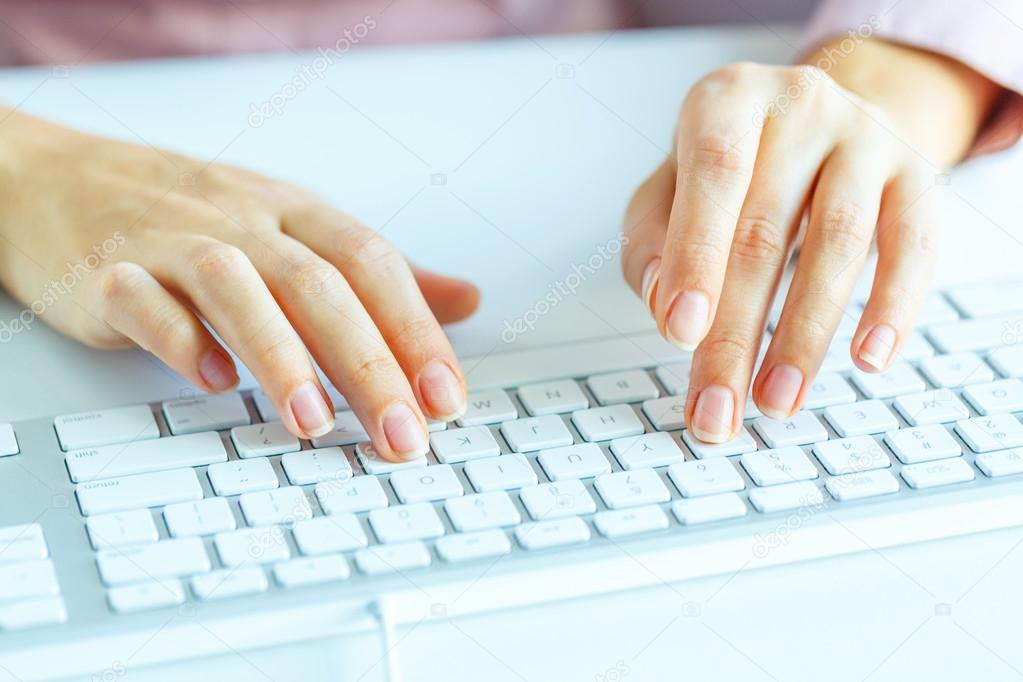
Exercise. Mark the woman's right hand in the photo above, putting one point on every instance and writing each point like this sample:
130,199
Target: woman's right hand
116,244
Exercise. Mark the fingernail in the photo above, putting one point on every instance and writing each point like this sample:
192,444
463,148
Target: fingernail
687,319
217,370
780,391
650,274
712,417
405,434
876,349
311,411
442,392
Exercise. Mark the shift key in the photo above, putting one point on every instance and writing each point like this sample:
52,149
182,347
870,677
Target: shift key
161,454
138,491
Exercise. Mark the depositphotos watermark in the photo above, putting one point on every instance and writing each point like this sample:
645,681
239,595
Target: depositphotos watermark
309,72
563,288
62,286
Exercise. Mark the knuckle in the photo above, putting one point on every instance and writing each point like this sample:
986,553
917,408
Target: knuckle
729,76
727,348
376,253
316,277
278,354
118,280
812,323
715,156
843,229
702,253
172,331
758,238
212,259
417,332
371,371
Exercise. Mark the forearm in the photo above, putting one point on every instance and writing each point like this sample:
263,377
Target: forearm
937,103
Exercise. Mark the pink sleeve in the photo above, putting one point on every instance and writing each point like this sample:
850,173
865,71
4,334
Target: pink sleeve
987,38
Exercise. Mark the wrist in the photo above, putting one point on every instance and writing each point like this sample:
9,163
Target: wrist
937,103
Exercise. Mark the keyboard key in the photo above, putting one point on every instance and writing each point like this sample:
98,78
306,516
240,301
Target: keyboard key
943,472
536,433
391,558
230,582
553,533
674,378
851,455
837,358
707,509
206,413
264,406
436,482
360,494
482,511
605,423
995,432
786,496
120,529
622,387
146,595
802,428
499,473
624,522
898,379
488,407
106,427
205,517
705,477
863,484
986,299
576,461
164,559
666,414
311,570
316,466
922,444
263,440
1005,395
1002,463
975,335
470,546
741,444
1007,361
553,397
555,500
931,407
373,463
828,389
269,507
266,544
625,489
28,579
648,450
161,454
329,534
460,445
242,476
860,419
347,431
22,542
957,369
773,467
915,348
936,309
141,490
31,613
406,522
8,441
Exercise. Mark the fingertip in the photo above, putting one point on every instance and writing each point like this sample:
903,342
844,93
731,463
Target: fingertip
217,370
311,410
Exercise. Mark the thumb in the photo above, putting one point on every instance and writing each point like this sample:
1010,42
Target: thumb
449,298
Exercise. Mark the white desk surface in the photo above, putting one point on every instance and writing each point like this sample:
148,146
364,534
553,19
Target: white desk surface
539,143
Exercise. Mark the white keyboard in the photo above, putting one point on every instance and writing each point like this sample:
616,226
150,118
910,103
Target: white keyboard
211,499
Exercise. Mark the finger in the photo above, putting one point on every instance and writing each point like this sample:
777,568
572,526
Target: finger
723,364
716,152
346,343
134,304
908,233
843,216
451,299
646,226
223,285
386,288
